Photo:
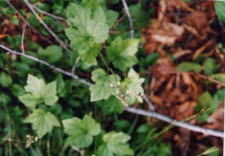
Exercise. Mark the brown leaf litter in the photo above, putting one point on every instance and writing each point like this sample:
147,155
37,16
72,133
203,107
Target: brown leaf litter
185,31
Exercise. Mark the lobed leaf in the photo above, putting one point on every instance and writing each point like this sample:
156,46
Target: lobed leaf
42,122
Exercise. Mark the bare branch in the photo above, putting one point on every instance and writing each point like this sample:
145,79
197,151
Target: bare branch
27,23
211,80
129,18
182,124
22,39
47,64
77,150
128,109
49,14
132,36
150,105
63,44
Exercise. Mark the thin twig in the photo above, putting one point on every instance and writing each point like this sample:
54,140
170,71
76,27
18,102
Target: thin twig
129,109
74,66
77,150
63,44
211,80
22,39
49,14
150,105
167,119
118,21
132,36
27,23
47,64
129,18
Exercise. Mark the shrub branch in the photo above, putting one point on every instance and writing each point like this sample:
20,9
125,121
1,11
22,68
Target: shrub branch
128,109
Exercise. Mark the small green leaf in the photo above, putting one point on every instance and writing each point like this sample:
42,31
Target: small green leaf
140,17
111,17
114,137
205,98
111,105
42,122
89,57
187,1
49,93
33,20
38,92
103,150
220,9
189,66
133,86
34,86
88,29
5,80
53,53
220,77
29,100
89,23
93,3
105,85
210,66
144,128
115,143
122,53
60,85
81,132
212,151
79,41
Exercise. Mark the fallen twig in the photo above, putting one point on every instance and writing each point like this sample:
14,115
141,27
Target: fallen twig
22,39
63,44
48,14
129,18
150,105
46,64
210,79
128,109
167,119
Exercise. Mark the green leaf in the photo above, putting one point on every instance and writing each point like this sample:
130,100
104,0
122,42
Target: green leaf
105,85
115,143
39,91
187,1
111,17
114,137
88,29
220,9
93,3
205,98
103,150
33,20
111,105
89,57
5,80
219,77
49,93
81,132
42,122
209,66
140,17
29,100
122,53
189,66
88,22
133,85
53,53
80,41
34,86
